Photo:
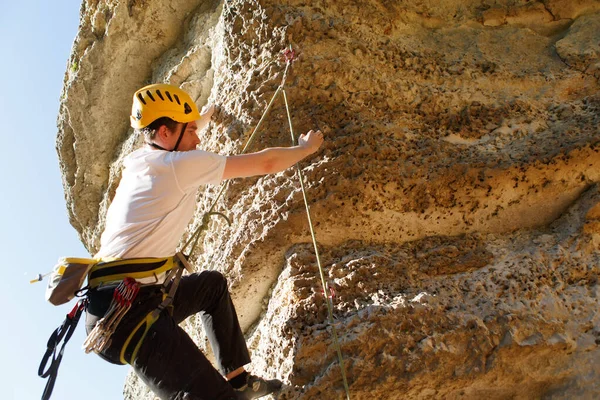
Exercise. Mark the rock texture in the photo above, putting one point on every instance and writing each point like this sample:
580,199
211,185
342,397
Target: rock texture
456,198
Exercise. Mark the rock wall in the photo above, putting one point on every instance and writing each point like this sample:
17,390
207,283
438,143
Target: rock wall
455,200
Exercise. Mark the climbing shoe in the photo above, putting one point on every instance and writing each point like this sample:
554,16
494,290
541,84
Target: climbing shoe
256,387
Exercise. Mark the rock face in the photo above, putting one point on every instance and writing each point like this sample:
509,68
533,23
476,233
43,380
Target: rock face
456,199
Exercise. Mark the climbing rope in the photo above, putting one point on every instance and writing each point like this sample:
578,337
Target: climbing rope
289,56
326,289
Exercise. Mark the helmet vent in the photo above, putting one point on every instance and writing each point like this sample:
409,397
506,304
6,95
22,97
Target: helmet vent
160,95
169,96
186,108
177,99
141,98
150,95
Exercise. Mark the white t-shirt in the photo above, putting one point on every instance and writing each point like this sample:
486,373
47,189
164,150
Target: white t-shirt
155,201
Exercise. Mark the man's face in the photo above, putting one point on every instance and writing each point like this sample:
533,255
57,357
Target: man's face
190,139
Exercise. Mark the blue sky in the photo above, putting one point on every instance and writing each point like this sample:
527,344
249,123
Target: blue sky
35,43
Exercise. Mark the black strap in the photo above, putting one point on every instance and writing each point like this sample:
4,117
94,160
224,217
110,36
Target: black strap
182,260
65,331
180,137
156,146
173,280
121,267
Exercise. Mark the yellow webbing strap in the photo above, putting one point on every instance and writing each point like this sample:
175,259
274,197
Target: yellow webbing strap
78,260
120,269
65,262
152,317
149,320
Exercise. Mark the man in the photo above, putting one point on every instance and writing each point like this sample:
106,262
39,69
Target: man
150,211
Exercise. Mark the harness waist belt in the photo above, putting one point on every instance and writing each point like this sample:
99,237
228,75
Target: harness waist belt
136,268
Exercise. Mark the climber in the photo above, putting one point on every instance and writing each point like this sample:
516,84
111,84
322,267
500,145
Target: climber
150,211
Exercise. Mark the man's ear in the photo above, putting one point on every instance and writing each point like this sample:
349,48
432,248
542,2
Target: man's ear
163,132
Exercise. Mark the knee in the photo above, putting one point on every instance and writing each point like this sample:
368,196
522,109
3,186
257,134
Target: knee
217,280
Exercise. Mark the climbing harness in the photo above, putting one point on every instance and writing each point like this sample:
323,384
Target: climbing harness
65,283
100,337
69,274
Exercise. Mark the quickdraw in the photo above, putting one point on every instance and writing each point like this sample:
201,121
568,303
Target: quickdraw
100,337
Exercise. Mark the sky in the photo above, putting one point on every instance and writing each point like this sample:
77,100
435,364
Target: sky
35,43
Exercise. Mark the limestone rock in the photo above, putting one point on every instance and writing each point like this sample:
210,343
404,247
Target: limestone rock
571,9
494,17
592,223
455,199
580,48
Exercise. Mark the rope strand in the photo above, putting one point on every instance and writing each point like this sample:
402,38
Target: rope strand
321,273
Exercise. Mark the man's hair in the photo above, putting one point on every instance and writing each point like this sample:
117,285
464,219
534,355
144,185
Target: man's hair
150,131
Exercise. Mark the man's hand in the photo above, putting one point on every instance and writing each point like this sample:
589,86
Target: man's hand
205,116
311,140
207,111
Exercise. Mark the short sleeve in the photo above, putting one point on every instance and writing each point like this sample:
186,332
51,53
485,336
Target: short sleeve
197,167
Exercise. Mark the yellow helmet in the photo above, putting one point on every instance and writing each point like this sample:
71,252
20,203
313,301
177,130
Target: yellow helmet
161,100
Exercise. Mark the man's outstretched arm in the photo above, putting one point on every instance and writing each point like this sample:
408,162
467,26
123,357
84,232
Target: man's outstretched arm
273,159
